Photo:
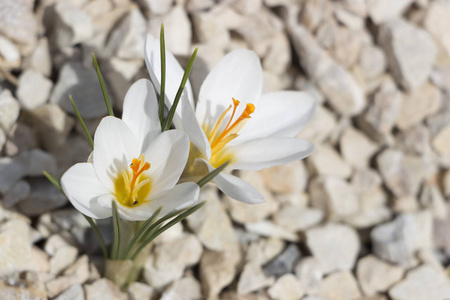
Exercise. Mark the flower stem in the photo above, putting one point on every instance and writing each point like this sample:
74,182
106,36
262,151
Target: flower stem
80,119
103,86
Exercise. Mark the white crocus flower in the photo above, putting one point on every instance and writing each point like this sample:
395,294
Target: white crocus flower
133,164
233,120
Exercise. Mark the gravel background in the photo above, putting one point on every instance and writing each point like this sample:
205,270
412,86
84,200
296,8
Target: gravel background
367,216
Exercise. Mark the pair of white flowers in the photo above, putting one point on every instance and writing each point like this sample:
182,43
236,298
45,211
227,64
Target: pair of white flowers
142,168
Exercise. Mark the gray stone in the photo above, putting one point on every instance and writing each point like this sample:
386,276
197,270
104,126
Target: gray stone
209,30
286,287
410,51
283,263
340,286
309,272
10,55
139,290
75,292
334,196
336,83
437,22
15,250
104,289
177,30
244,213
170,259
382,111
441,234
33,90
423,283
441,141
82,83
297,218
418,105
21,138
156,7
356,148
211,223
381,11
71,25
40,60
127,39
289,178
264,250
19,191
253,279
335,246
326,161
44,197
217,270
17,20
269,229
398,240
320,126
415,140
401,173
187,288
372,62
376,276
9,110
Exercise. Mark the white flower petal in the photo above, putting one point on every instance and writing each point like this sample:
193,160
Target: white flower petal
238,75
179,197
265,153
194,131
115,146
174,72
167,156
235,187
140,112
280,114
82,187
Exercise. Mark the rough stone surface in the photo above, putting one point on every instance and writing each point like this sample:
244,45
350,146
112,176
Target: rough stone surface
340,286
335,246
34,89
376,276
410,51
422,283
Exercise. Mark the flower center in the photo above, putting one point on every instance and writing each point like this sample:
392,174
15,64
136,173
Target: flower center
133,186
220,136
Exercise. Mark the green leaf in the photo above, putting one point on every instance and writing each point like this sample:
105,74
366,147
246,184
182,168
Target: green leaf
53,181
212,174
162,92
80,119
103,86
141,232
91,222
117,231
98,234
170,115
185,213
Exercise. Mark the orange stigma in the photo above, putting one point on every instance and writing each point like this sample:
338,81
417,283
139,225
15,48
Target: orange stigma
230,132
130,192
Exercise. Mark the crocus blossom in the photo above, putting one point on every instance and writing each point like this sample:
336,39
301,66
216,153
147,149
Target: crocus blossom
233,120
133,163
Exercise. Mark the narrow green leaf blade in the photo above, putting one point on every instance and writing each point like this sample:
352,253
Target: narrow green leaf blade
103,86
212,174
163,76
98,234
53,181
171,114
147,226
80,119
117,231
176,220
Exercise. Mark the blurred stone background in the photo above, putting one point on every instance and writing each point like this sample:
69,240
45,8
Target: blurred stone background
367,216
